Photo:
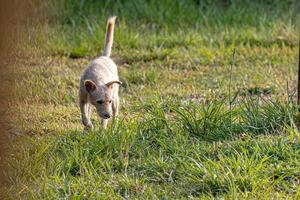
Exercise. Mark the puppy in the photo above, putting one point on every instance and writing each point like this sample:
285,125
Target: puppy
99,84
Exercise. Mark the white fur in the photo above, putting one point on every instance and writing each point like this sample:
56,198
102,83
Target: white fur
99,85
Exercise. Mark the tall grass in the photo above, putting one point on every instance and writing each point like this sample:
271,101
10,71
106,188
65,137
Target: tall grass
181,149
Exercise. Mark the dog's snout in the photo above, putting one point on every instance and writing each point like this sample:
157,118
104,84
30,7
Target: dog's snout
107,116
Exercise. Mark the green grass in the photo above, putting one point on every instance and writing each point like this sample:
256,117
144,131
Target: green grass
181,133
188,151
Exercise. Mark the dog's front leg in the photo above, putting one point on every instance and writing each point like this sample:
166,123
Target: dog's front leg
104,123
89,110
115,108
85,112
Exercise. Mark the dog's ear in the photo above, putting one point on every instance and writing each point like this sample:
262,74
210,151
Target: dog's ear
90,86
109,84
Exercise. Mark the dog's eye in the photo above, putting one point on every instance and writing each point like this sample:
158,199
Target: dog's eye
100,101
109,101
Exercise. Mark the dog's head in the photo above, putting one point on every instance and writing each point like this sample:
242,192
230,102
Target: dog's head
101,97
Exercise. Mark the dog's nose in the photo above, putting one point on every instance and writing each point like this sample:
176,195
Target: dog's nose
107,116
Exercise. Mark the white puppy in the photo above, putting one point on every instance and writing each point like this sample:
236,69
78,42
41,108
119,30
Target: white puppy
99,84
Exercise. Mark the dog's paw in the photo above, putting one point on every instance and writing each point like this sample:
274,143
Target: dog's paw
87,128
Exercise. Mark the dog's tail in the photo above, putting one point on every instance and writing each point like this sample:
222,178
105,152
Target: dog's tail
109,36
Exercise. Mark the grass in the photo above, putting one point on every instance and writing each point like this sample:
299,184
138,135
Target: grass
191,153
193,123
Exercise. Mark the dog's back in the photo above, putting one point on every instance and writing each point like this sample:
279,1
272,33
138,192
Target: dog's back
101,69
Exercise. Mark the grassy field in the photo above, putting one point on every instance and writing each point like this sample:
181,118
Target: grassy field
207,106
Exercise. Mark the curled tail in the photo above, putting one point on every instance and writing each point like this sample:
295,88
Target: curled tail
109,36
